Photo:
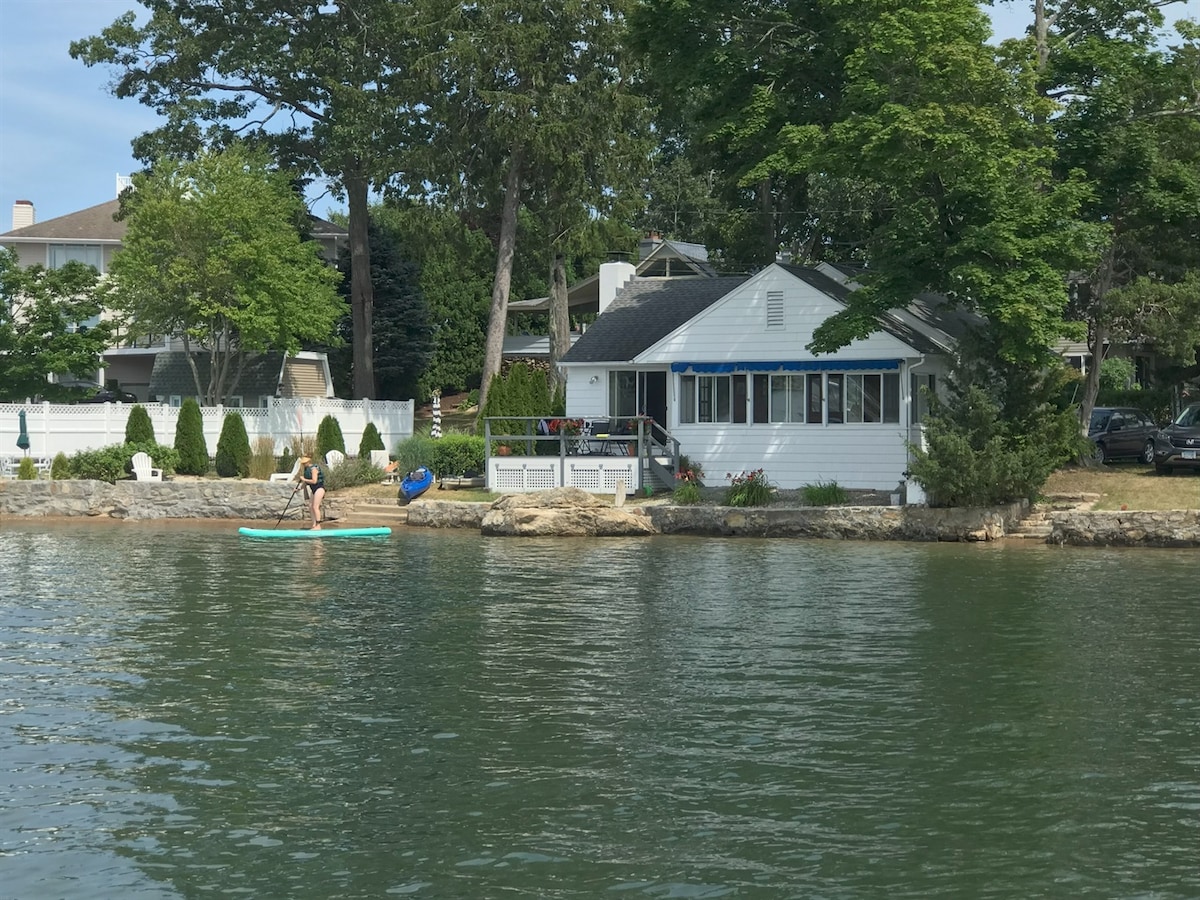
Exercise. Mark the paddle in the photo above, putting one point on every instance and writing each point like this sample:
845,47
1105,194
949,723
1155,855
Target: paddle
289,503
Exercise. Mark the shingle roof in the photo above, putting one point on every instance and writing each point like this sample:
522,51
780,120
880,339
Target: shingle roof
94,224
645,311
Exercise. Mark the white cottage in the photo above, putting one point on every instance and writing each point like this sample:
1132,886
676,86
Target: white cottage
720,365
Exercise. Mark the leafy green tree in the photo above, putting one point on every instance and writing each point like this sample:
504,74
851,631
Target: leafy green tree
212,254
189,439
337,70
527,97
40,314
329,437
233,447
138,427
455,262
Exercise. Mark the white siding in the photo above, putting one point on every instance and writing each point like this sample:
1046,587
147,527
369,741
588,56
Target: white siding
734,329
587,398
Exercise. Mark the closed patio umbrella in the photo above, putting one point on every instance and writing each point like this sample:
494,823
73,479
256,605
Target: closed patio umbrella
23,437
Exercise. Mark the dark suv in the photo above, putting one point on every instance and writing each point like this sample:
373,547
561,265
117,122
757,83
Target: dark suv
1122,432
1178,445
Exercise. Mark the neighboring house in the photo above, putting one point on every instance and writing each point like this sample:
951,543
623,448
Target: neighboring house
657,258
721,364
93,236
265,377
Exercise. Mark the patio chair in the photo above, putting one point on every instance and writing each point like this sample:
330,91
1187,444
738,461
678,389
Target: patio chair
379,459
334,458
286,476
143,468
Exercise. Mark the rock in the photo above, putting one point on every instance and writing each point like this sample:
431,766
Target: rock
562,511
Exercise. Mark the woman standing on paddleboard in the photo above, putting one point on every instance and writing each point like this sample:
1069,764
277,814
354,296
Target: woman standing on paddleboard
311,475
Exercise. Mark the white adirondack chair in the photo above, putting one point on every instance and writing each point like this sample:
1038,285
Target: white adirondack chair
286,476
379,459
143,468
334,458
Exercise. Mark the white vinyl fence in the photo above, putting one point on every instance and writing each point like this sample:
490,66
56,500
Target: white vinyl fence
60,428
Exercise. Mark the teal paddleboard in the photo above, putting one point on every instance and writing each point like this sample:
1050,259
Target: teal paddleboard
314,533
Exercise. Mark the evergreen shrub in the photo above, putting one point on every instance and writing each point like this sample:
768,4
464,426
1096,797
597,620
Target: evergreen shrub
370,441
233,447
329,437
189,439
138,427
26,470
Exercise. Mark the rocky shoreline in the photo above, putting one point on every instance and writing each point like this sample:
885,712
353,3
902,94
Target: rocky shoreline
567,511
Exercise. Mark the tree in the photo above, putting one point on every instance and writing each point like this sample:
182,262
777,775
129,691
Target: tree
524,90
336,69
212,254
329,437
403,333
41,311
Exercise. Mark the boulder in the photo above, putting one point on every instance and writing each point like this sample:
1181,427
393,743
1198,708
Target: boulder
563,512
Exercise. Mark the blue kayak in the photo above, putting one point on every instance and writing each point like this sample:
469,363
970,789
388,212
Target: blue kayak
314,533
416,483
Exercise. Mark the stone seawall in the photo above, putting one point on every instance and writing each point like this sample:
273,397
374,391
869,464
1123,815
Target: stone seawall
1166,528
224,499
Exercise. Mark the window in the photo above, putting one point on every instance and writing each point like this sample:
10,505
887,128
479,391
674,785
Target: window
872,398
88,254
787,398
622,393
707,398
835,415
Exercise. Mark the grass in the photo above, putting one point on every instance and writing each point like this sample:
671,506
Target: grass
1131,486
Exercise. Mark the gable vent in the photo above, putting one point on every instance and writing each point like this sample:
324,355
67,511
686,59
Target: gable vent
775,310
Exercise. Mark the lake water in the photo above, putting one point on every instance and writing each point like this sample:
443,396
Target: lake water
186,713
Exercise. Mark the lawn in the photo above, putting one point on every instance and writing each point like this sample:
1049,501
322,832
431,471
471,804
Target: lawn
1129,486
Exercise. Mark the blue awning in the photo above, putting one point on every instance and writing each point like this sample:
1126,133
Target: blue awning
808,365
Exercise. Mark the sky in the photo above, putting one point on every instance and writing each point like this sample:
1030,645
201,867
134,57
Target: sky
64,138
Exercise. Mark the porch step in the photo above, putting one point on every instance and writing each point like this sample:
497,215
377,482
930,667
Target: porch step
366,513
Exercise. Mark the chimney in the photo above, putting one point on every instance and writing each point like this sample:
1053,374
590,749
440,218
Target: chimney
23,214
647,245
613,276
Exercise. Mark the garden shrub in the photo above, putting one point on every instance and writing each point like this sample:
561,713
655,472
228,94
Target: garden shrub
370,441
138,427
415,451
455,455
824,493
113,462
165,458
352,472
60,466
26,470
287,460
329,437
262,458
233,447
189,439
687,487
748,489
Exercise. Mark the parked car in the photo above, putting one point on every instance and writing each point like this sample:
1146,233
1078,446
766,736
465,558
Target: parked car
1122,432
96,393
1178,445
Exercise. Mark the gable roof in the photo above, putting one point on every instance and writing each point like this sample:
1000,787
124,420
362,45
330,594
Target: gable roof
95,225
648,309
645,311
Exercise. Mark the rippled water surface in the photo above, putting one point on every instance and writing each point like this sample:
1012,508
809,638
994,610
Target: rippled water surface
187,713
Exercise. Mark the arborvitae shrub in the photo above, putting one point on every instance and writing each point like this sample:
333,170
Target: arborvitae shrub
60,466
370,441
287,459
26,470
189,439
138,427
233,447
329,437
